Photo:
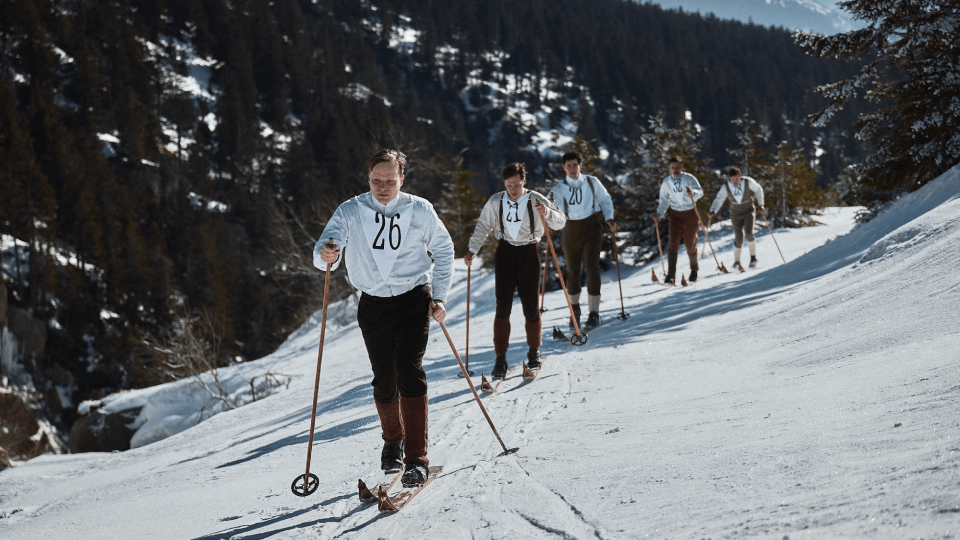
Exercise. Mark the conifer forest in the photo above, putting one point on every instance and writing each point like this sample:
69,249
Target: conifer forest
167,165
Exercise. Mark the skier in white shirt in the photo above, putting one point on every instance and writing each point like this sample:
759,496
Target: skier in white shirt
394,247
741,191
513,216
587,206
682,221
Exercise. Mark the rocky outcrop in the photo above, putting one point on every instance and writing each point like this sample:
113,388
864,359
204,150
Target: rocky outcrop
98,431
21,434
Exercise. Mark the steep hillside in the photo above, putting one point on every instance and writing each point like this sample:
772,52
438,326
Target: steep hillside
813,397
168,164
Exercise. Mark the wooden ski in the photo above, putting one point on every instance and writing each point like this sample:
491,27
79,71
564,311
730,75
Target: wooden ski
368,496
396,503
531,374
487,388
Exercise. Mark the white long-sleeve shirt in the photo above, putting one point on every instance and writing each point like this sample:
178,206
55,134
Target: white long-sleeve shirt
388,248
737,191
673,193
493,216
582,198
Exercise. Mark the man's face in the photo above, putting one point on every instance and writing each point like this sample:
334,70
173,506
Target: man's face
735,179
514,186
572,168
385,181
676,168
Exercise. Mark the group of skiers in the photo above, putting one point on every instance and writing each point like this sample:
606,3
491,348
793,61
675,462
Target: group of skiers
399,254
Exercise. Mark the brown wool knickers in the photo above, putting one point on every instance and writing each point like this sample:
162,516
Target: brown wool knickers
581,249
683,226
742,218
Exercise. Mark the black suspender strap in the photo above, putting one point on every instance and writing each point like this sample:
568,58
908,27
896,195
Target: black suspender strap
533,233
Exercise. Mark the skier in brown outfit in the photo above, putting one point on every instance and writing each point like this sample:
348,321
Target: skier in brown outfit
400,267
741,191
682,217
510,216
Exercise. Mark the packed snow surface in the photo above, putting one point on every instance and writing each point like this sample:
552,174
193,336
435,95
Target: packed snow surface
817,398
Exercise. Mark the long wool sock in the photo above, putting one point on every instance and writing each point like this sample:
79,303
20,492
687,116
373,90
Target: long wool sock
414,412
391,422
753,248
534,331
593,303
736,254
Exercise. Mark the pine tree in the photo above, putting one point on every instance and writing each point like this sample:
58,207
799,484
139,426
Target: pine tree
790,192
913,74
460,207
750,156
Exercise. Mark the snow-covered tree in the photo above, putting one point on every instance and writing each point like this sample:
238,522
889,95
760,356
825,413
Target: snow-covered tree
912,71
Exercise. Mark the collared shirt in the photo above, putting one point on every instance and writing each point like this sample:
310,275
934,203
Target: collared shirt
418,245
673,193
489,221
746,182
582,198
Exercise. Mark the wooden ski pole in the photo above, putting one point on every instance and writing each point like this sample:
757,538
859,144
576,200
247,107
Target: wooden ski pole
474,390
656,227
720,265
771,234
310,481
623,312
466,350
579,339
703,252
543,283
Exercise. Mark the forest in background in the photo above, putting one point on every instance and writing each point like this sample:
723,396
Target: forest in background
133,200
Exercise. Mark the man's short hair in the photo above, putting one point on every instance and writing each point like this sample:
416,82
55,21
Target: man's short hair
387,155
676,159
572,155
514,169
733,171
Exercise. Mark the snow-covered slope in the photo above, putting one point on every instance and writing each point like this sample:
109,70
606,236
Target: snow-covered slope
822,16
816,398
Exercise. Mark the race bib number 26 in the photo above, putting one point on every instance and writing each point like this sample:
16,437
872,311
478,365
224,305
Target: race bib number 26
385,236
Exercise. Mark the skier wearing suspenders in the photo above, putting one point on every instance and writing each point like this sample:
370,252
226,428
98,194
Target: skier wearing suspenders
741,191
513,216
682,217
394,247
586,205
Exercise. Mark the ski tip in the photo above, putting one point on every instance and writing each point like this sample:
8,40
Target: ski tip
364,491
527,373
485,384
653,276
558,334
683,280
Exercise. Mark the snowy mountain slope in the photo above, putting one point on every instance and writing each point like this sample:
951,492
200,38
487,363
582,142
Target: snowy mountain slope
822,16
815,397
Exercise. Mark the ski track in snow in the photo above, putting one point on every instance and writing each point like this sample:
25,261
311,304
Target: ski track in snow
814,398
